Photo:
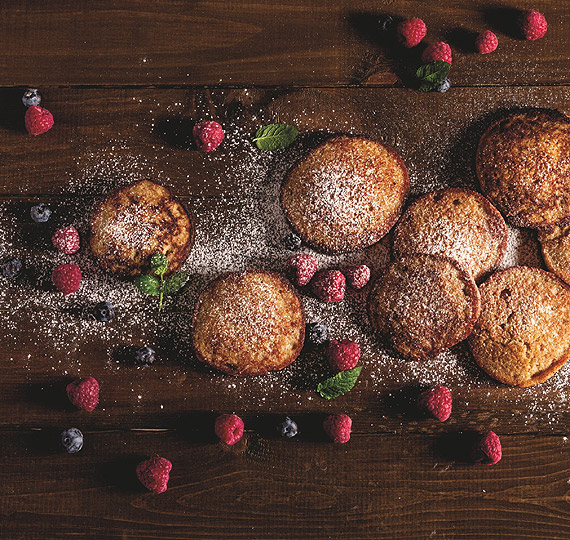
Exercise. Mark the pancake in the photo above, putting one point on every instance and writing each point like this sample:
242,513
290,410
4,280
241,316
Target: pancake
555,247
248,323
522,336
424,304
346,194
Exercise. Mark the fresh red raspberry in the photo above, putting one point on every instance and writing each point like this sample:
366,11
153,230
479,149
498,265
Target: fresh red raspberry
488,449
66,277
533,24
437,51
343,355
154,474
229,428
357,276
208,135
338,427
302,268
329,286
486,42
411,32
38,120
66,240
84,393
437,402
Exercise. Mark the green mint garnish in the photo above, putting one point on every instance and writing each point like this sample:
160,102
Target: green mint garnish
339,384
159,264
432,75
148,284
175,282
274,136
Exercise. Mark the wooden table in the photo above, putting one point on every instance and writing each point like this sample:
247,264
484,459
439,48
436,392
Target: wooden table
126,81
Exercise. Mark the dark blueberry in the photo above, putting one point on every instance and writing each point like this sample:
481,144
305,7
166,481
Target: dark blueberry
72,440
385,23
11,268
40,213
292,242
317,333
444,85
31,97
104,311
288,428
145,356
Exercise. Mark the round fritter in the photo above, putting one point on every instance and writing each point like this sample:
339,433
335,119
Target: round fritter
248,323
555,247
458,223
346,194
523,166
132,223
522,336
424,304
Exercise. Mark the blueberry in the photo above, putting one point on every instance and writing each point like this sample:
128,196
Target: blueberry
11,268
40,213
104,311
72,440
31,97
317,333
288,428
385,23
444,85
145,356
292,242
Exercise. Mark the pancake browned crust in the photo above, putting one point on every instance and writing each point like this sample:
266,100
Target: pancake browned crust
457,223
248,323
555,246
522,336
132,223
523,166
346,194
424,304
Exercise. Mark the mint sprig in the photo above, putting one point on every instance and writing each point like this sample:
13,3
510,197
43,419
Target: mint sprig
274,136
432,75
339,384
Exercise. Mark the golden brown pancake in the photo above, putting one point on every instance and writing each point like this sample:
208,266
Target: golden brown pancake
555,246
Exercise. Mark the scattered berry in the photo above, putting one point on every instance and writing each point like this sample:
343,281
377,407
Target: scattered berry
533,24
66,240
486,42
338,427
437,402
72,440
229,428
288,428
301,268
66,277
411,32
343,355
357,276
329,286
385,23
444,86
488,449
437,51
292,242
154,474
208,135
317,333
11,268
84,393
145,356
104,311
40,213
38,120
31,97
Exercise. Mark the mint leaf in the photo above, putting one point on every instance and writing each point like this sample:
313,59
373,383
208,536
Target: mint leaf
148,284
159,263
175,282
273,136
339,384
432,74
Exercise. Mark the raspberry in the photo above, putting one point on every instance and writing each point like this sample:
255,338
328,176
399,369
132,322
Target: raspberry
411,32
66,277
302,268
343,355
83,393
38,120
486,42
208,135
154,474
437,51
437,402
329,286
488,449
229,428
66,240
357,276
337,427
533,24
